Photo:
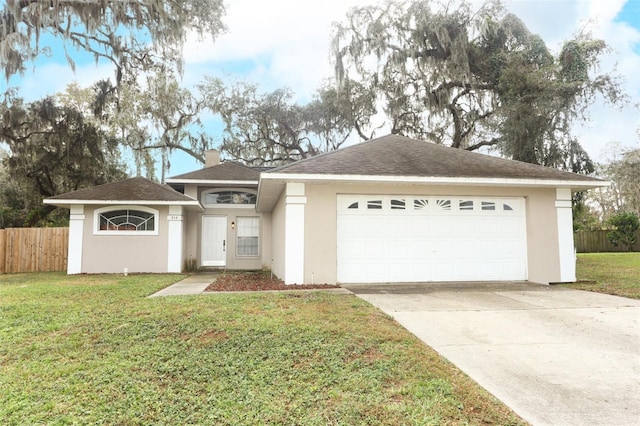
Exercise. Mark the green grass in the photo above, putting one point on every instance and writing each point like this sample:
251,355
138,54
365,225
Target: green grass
610,273
94,350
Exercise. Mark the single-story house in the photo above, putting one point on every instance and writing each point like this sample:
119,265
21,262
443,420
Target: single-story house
392,209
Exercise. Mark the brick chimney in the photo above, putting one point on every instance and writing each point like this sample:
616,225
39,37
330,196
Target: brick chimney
211,157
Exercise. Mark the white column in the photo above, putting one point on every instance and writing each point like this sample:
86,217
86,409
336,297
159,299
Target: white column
294,233
76,229
565,235
174,239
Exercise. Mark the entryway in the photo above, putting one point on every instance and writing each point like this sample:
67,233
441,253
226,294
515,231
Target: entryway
214,241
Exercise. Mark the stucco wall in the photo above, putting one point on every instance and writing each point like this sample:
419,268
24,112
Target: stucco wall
277,231
113,253
542,238
321,221
194,237
193,232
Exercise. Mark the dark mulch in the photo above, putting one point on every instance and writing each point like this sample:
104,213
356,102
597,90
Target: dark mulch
257,281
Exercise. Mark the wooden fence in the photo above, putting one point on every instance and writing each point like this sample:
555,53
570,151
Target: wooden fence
597,241
33,249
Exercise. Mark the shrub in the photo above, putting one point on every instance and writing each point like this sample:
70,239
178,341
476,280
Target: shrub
625,225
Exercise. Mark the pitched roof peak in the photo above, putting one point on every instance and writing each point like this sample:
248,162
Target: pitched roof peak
135,189
225,171
395,155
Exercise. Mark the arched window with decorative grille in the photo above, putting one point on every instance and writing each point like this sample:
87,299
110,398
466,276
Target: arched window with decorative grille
126,220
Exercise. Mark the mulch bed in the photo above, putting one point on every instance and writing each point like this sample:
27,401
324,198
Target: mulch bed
257,281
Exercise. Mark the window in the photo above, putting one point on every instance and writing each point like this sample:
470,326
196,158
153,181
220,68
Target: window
466,205
353,205
444,204
229,197
126,220
374,204
420,204
488,205
507,207
398,204
248,233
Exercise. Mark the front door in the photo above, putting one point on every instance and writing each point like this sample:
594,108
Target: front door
214,240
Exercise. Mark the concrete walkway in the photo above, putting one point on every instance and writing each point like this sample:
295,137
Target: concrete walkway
195,284
555,356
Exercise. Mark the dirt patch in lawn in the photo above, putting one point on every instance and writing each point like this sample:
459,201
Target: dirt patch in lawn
257,281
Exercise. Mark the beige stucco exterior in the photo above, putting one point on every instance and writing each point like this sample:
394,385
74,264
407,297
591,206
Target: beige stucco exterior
320,262
298,216
113,253
149,253
193,238
277,238
193,232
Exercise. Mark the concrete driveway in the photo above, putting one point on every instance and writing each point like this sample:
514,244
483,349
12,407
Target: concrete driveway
555,356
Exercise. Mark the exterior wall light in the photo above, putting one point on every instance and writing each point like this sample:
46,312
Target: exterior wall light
233,225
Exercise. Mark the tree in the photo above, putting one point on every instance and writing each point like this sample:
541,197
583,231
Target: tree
471,78
623,171
270,129
52,149
175,111
625,226
160,117
119,31
625,175
120,110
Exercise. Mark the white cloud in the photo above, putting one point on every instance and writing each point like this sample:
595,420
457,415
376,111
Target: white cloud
285,41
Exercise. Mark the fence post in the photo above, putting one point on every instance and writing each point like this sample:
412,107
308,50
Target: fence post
3,251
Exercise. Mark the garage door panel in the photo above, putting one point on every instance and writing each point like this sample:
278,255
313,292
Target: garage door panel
422,238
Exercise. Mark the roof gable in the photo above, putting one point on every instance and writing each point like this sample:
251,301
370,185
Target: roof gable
395,155
136,189
226,171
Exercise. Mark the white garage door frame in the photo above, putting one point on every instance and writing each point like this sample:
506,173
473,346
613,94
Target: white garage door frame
401,238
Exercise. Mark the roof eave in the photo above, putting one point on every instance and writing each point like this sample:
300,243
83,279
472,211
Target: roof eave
212,182
441,180
280,179
190,204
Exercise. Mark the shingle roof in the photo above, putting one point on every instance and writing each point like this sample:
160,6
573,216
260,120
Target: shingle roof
395,155
227,171
133,189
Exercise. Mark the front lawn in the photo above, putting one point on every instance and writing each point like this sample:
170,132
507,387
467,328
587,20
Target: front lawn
610,273
93,349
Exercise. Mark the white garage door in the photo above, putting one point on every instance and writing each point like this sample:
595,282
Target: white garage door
430,238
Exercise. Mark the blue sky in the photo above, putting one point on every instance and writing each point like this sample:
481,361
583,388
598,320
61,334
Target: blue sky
285,43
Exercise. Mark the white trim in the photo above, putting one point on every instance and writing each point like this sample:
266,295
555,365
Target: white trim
120,202
222,262
294,233
212,182
96,220
443,180
76,231
563,203
566,249
295,199
174,239
237,235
